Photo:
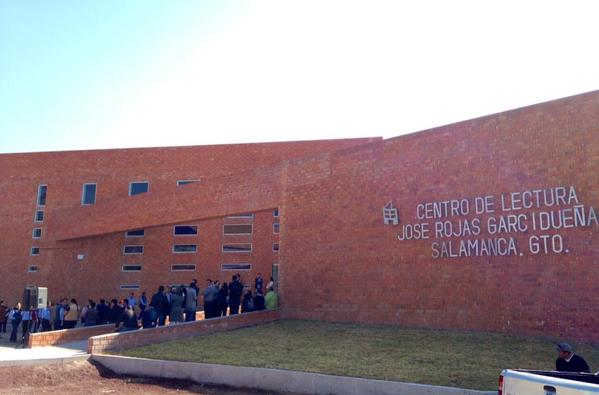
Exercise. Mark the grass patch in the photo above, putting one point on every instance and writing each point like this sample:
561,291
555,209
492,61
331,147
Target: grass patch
456,359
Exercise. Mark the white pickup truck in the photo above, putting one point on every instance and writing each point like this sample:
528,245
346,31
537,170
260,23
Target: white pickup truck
533,382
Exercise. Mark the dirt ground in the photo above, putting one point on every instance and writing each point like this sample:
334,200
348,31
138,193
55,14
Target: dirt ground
83,377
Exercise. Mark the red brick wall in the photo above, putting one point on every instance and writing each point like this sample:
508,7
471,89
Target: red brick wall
339,262
119,341
42,339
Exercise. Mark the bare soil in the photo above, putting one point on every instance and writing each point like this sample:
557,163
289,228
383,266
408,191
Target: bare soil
83,377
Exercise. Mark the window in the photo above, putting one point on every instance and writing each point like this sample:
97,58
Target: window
229,229
275,247
185,248
35,250
185,230
185,182
32,269
183,267
244,215
133,250
137,187
275,213
88,196
132,268
135,233
237,247
275,228
37,233
131,287
39,216
236,266
41,195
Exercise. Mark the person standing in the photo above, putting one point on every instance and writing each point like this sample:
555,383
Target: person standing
259,283
72,314
223,296
567,361
143,301
191,303
15,318
177,300
46,317
160,303
235,291
3,316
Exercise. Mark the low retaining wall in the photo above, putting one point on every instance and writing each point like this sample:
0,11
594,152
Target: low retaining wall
118,341
271,379
42,339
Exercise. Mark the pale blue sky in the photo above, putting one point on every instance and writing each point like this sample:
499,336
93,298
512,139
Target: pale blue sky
108,74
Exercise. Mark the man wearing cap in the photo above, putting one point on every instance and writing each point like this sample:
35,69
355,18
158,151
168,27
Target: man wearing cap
568,361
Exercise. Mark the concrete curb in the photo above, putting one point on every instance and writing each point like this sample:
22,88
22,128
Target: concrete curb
44,361
271,379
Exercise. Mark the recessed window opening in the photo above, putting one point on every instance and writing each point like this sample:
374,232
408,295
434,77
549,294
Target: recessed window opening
135,233
275,228
275,213
138,187
35,250
275,247
129,286
185,248
41,194
185,230
237,247
32,269
185,182
133,250
39,216
243,229
243,215
88,196
36,233
183,267
131,268
235,266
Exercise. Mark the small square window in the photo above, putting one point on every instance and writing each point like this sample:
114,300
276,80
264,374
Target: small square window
32,269
133,250
137,187
185,230
37,233
275,247
88,196
39,216
275,228
35,250
135,233
275,213
185,248
41,195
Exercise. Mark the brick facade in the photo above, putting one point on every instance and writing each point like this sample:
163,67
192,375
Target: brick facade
338,260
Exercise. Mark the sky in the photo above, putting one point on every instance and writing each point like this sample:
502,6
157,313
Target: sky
101,74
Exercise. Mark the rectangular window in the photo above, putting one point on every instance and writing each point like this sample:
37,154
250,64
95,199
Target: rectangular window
237,247
132,287
39,216
133,250
275,228
41,195
135,233
32,269
185,182
37,233
244,215
245,229
185,230
137,187
275,247
88,196
132,268
35,250
275,213
181,267
185,248
236,266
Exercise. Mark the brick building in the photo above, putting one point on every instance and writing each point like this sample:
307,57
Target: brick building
485,224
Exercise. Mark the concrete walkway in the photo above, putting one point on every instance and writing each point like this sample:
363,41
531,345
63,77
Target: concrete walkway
9,355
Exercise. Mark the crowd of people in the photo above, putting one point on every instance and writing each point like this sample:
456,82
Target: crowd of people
173,305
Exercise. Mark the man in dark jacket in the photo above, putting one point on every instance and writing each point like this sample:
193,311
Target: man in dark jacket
235,290
160,303
568,361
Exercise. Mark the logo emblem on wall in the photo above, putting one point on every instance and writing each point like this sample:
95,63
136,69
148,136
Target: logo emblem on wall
390,216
